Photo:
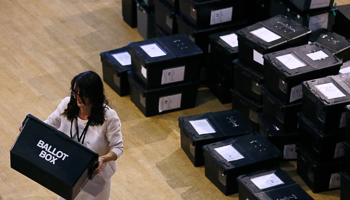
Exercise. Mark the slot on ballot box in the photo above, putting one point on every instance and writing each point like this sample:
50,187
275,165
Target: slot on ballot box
52,159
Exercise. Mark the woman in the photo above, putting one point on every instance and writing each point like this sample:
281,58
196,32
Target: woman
86,117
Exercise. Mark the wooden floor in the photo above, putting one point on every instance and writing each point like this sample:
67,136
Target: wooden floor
43,45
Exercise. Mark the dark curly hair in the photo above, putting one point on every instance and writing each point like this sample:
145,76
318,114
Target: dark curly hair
89,85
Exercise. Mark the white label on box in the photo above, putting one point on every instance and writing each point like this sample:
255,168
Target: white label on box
345,70
169,22
289,151
290,61
123,58
258,57
172,75
143,71
221,16
296,93
334,181
153,50
267,181
339,150
318,21
230,39
265,34
318,55
202,126
319,4
169,102
116,80
143,100
342,123
229,153
330,91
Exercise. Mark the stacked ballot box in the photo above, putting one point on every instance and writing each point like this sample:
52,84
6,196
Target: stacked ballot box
129,12
145,19
165,18
202,129
335,43
115,65
164,74
342,20
226,160
52,159
270,184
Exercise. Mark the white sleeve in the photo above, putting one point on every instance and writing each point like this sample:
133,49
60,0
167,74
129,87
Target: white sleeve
54,118
114,134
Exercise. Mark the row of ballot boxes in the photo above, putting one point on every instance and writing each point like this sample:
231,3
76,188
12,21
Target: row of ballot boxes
52,159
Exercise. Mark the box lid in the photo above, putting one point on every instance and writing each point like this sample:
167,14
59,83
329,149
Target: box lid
330,40
120,59
226,40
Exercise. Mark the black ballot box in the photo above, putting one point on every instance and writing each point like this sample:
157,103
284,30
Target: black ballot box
199,130
342,20
52,159
274,34
145,20
219,82
337,44
225,160
165,17
129,12
165,60
271,184
115,65
307,5
287,69
324,101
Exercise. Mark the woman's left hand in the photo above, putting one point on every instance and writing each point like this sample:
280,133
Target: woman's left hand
106,158
100,162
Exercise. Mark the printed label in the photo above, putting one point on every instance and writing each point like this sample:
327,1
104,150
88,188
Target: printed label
202,126
330,90
319,21
230,39
339,150
229,153
143,100
153,50
296,93
221,16
319,3
173,75
49,153
265,34
267,181
318,55
144,71
289,151
169,22
123,58
169,102
116,80
290,61
334,181
258,57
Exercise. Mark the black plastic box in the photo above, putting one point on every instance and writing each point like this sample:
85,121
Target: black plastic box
166,60
283,116
345,185
115,65
270,184
319,176
165,17
323,147
211,13
129,12
245,154
163,100
342,20
335,43
219,83
287,69
286,142
307,5
224,47
324,102
52,159
274,34
247,81
221,125
249,108
314,20
145,20
277,7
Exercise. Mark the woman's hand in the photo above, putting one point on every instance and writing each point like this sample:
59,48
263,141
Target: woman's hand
103,159
100,162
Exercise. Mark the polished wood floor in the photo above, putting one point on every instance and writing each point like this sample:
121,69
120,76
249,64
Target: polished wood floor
43,45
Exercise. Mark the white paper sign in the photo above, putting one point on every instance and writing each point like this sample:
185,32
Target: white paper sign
173,75
330,91
169,102
258,57
289,151
267,181
230,39
290,61
143,71
344,70
265,34
319,4
221,16
202,126
153,50
296,93
229,153
123,58
318,55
